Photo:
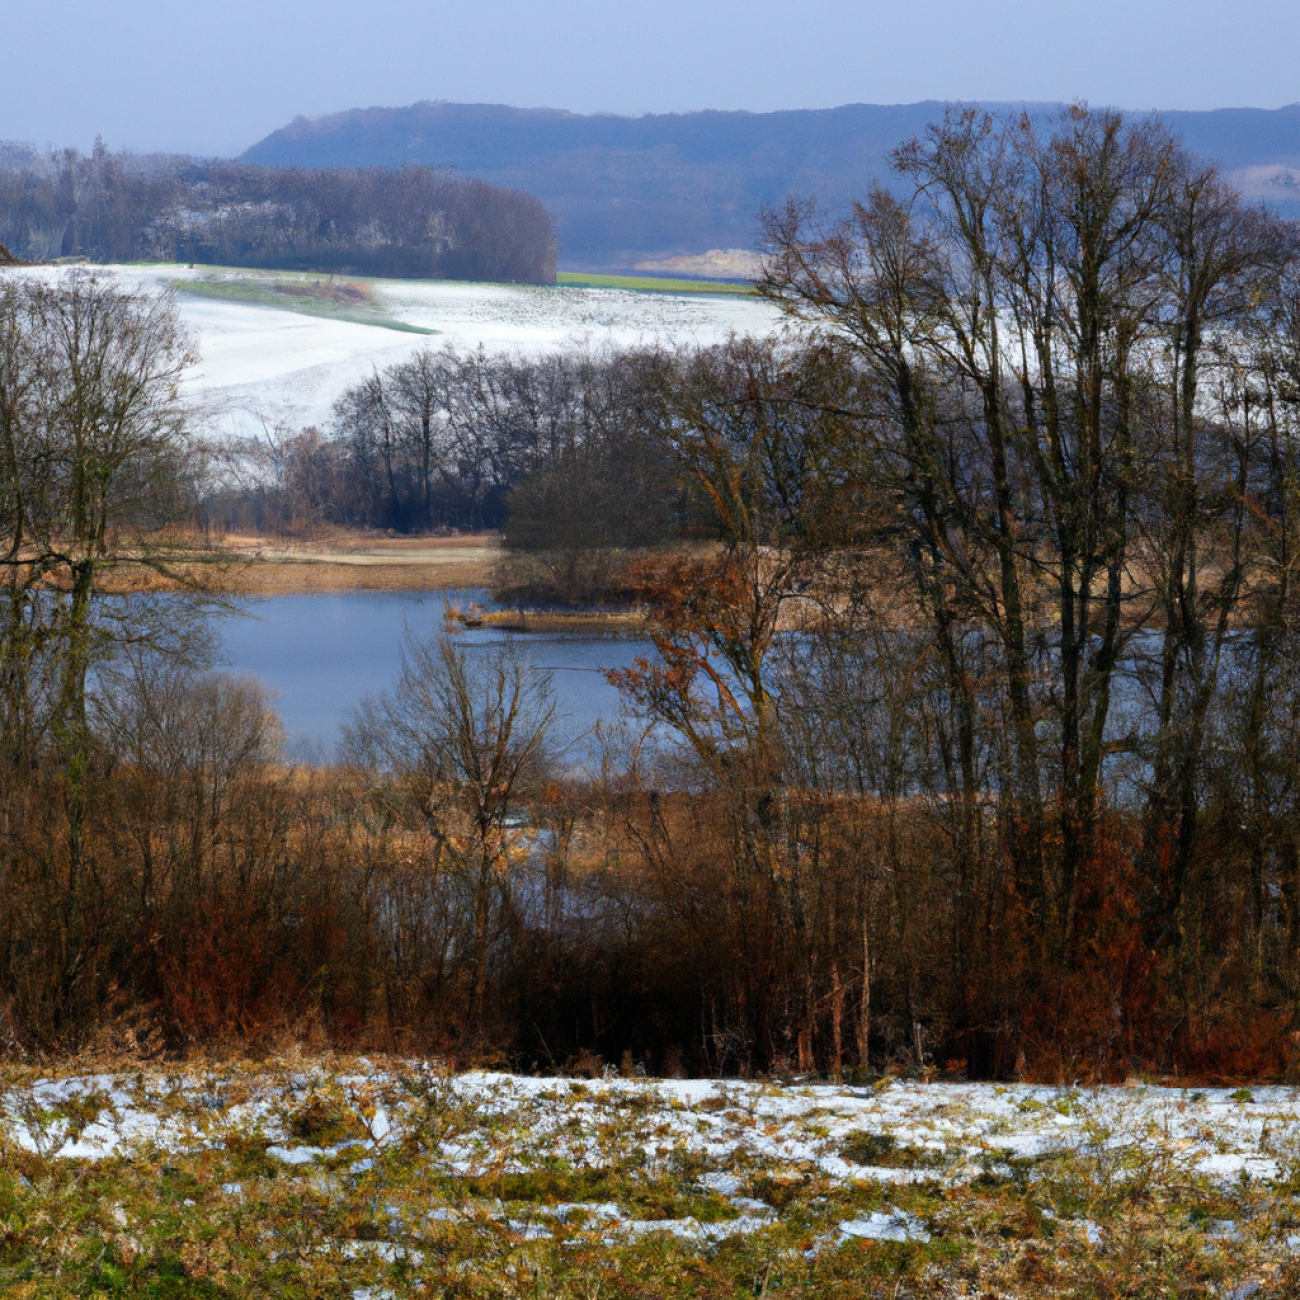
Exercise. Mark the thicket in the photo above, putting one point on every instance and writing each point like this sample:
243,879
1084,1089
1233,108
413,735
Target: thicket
406,222
566,452
975,711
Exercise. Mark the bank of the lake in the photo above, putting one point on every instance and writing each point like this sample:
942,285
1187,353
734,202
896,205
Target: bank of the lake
337,560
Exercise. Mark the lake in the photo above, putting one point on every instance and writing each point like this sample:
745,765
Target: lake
322,654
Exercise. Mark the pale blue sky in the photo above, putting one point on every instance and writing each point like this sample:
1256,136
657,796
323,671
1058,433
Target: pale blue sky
217,77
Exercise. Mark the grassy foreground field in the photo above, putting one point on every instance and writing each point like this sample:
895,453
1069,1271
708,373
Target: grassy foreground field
371,1178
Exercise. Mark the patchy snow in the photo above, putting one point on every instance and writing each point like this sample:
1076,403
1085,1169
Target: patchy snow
1229,1168
944,1132
693,1229
716,1159
893,1226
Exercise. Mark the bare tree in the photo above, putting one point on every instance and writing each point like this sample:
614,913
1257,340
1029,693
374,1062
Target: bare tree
461,741
94,471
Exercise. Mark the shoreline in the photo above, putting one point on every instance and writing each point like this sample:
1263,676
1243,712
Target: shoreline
339,561
524,619
249,566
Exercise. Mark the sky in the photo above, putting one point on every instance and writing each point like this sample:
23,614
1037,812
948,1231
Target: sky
214,79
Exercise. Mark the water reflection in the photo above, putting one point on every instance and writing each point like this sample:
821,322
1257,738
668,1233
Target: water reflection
323,653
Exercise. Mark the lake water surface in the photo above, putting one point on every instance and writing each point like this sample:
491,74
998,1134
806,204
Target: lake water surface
322,654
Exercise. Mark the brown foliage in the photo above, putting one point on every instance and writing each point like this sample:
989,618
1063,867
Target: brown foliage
644,925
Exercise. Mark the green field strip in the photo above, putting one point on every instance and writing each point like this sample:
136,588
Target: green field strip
647,284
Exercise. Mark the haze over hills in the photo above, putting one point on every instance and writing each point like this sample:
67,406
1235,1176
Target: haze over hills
661,190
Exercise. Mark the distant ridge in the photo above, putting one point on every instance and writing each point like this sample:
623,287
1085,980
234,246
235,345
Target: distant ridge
627,191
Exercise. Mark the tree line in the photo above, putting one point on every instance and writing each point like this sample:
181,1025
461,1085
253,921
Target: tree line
562,451
411,221
967,728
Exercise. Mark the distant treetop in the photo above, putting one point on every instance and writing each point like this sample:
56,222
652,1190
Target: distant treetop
407,221
627,189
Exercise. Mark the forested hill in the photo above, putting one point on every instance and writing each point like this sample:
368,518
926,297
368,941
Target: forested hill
408,220
623,189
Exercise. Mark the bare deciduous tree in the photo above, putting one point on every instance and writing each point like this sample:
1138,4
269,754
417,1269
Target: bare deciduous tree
461,740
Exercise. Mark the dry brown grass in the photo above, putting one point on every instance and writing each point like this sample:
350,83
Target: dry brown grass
284,578
331,560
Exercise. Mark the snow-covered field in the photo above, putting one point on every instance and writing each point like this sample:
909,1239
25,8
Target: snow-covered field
266,364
